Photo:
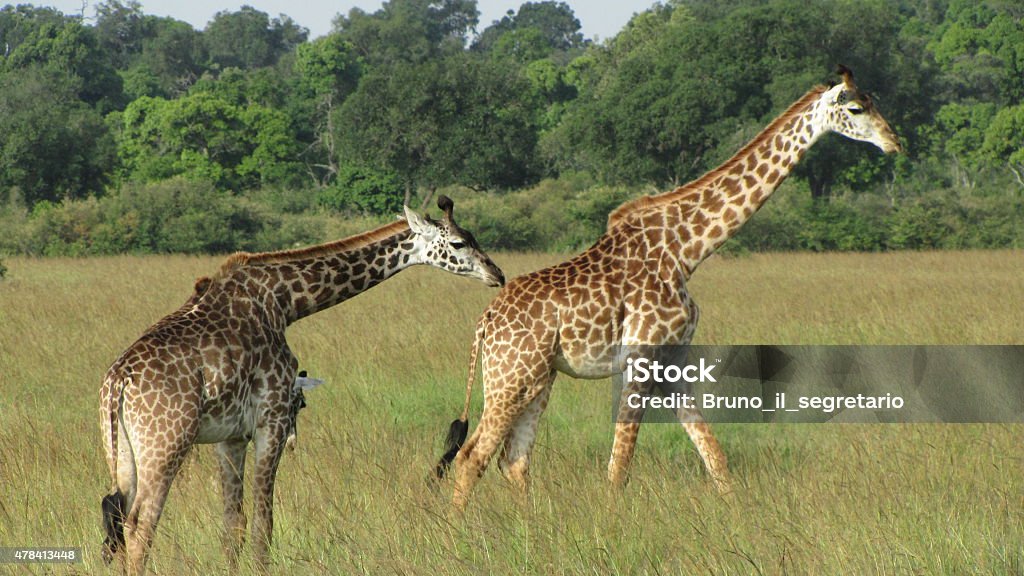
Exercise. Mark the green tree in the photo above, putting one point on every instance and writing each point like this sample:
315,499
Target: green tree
121,29
958,133
54,146
409,30
328,66
205,137
490,141
363,190
684,85
644,114
171,58
266,87
19,22
460,120
524,45
328,71
248,38
393,122
980,50
535,31
1004,141
154,56
61,45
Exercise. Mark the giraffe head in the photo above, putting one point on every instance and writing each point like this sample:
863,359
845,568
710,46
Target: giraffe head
850,112
444,245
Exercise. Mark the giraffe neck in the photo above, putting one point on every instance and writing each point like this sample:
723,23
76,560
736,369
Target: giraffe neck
306,281
740,186
330,280
708,211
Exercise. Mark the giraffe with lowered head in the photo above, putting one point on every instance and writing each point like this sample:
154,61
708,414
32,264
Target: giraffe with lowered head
627,292
219,370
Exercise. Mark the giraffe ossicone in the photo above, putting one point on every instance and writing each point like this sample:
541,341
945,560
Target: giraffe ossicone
628,292
219,371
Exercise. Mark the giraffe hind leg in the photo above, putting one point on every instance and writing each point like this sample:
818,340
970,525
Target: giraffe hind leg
154,485
474,457
707,446
162,444
501,412
515,458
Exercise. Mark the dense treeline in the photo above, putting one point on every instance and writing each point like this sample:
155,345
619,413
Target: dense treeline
131,132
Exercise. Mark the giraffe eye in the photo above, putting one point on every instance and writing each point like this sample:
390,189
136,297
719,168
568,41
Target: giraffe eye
458,245
855,110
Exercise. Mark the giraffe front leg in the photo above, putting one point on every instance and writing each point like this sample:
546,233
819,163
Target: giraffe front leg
627,428
269,442
231,458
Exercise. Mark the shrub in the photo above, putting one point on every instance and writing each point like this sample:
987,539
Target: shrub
364,190
174,216
503,227
284,200
922,225
991,222
564,215
63,229
835,225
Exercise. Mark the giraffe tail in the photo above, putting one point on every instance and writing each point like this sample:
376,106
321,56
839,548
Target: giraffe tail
459,428
114,505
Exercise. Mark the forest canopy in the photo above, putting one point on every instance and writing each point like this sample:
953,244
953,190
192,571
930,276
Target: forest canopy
540,129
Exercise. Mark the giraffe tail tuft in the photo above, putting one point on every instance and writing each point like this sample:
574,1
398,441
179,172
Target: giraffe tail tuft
453,443
113,524
460,428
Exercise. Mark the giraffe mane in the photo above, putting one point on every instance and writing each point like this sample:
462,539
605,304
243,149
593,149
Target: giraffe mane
644,203
240,259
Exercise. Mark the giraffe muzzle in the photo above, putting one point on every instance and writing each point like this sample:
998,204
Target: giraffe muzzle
893,148
491,274
496,278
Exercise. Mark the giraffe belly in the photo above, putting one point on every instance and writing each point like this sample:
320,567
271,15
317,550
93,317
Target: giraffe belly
220,423
587,366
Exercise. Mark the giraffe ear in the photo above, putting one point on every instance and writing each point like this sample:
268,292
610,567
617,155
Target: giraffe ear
303,382
202,283
419,224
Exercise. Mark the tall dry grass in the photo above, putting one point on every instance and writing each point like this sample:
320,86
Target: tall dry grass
352,499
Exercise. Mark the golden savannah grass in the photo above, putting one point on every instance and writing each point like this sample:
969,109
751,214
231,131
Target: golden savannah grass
354,498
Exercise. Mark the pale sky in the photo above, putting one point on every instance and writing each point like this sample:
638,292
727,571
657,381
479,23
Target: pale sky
600,18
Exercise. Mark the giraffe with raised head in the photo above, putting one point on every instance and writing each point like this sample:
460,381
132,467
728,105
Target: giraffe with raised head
587,316
219,370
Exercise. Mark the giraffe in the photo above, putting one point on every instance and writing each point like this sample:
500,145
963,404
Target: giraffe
219,370
585,317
